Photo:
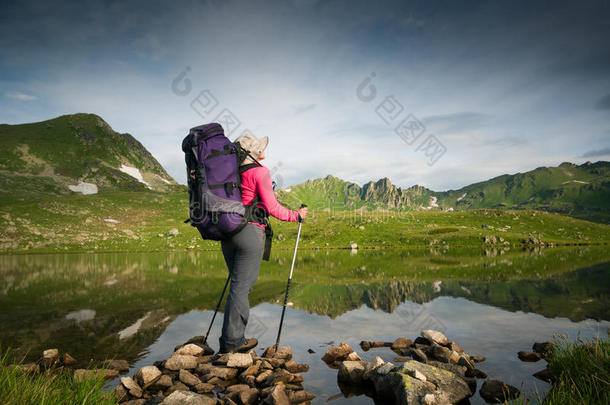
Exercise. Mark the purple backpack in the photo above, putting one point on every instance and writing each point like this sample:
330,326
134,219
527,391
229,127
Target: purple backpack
212,163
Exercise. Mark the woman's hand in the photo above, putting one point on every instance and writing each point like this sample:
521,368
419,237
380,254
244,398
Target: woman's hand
302,212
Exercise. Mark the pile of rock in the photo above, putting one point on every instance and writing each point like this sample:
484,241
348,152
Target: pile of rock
51,361
433,370
195,375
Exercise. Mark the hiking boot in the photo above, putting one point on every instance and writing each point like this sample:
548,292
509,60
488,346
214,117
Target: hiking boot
247,346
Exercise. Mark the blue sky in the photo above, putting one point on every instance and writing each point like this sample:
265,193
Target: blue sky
503,87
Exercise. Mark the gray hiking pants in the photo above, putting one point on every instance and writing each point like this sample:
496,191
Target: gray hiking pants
243,253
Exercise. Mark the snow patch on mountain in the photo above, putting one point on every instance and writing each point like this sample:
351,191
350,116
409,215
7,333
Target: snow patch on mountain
135,173
82,187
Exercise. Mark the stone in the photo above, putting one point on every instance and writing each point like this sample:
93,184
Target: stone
401,343
294,367
446,386
251,371
120,393
429,399
415,373
466,362
371,366
339,353
453,368
249,379
418,355
27,368
283,352
203,368
206,358
163,383
49,358
385,368
529,356
201,342
454,357
279,375
82,374
266,365
240,360
400,359
420,340
454,346
224,373
440,353
277,363
190,349
67,360
472,384
249,396
119,365
188,378
203,388
495,391
188,398
263,376
436,337
477,359
277,396
135,402
181,361
131,386
298,397
545,375
353,356
177,386
351,372
365,345
542,347
476,373
146,376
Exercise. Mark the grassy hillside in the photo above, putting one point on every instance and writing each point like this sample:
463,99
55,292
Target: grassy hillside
580,191
149,220
47,157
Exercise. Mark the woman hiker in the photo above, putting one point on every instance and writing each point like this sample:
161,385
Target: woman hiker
243,251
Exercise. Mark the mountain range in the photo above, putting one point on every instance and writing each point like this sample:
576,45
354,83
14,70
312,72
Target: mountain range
582,191
81,153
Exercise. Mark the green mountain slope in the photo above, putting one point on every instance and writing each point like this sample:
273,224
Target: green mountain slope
581,191
50,156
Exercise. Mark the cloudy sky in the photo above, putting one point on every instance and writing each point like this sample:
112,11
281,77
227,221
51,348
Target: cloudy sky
475,89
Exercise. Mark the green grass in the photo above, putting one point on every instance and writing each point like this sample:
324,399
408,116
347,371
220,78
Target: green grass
75,223
19,388
582,371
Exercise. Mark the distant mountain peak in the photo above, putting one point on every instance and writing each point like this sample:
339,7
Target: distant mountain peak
78,153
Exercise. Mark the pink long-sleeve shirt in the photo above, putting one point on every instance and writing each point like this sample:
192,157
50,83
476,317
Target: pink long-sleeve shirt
257,181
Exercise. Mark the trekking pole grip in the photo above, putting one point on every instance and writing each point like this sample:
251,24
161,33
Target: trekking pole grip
302,206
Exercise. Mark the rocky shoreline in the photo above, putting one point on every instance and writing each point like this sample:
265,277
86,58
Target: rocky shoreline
430,369
433,370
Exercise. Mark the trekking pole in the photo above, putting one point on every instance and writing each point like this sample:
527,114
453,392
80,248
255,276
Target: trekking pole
294,256
205,339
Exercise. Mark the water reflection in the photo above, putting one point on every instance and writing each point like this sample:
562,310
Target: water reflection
117,305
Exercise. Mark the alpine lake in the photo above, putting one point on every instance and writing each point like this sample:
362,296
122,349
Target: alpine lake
139,306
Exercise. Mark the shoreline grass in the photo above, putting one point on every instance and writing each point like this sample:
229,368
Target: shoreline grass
582,372
18,387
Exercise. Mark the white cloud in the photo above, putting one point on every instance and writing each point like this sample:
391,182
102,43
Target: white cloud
20,96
